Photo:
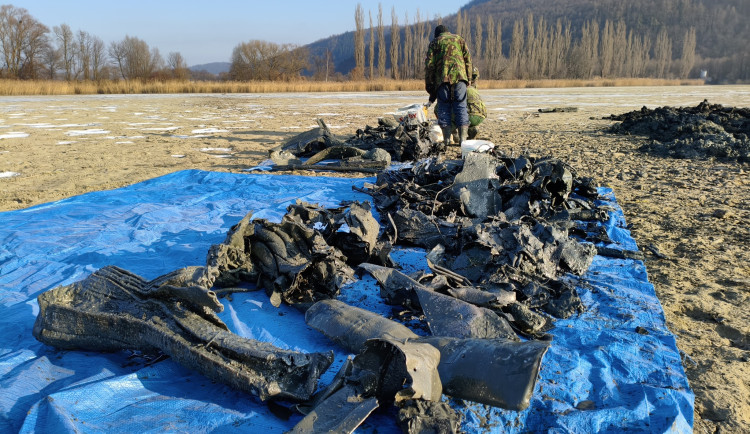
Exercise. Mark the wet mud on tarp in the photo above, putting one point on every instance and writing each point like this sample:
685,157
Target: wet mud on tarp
597,372
701,132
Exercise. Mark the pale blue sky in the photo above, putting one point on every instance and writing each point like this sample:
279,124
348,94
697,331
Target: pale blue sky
207,31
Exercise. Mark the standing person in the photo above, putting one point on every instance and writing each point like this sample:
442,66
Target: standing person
475,106
447,72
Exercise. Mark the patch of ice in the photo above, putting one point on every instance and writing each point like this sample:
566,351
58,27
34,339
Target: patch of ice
162,129
66,142
328,114
178,156
222,156
86,132
216,149
209,130
38,125
14,135
8,174
128,142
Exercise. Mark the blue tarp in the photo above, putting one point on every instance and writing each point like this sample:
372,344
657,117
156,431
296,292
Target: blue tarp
600,374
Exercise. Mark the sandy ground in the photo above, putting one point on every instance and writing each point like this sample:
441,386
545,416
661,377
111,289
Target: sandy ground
697,213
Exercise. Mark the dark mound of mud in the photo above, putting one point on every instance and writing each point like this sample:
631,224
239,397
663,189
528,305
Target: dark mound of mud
701,132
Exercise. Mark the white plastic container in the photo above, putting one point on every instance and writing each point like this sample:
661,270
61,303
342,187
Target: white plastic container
475,146
411,115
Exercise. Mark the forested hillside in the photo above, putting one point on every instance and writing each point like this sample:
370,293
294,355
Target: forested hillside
557,39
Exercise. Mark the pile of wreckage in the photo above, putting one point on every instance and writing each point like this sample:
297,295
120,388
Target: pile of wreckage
506,240
700,132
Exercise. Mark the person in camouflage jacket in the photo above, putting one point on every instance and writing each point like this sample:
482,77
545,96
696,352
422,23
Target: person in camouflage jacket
447,71
475,106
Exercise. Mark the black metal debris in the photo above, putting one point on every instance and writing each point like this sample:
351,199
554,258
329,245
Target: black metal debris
505,239
700,132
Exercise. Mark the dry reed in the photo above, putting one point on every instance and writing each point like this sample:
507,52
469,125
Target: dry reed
55,87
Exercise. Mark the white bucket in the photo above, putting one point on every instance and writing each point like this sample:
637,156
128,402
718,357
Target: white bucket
475,146
411,115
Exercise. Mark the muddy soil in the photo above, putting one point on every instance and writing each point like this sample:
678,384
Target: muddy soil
694,212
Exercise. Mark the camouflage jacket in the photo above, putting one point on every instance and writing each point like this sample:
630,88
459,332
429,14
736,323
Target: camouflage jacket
448,61
475,103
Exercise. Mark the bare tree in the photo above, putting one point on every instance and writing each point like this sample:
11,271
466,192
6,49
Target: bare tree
263,60
421,40
687,60
22,40
478,39
66,48
134,59
83,55
372,49
177,66
323,66
395,41
489,57
406,66
51,60
516,49
620,49
560,49
359,43
98,59
662,53
381,43
607,49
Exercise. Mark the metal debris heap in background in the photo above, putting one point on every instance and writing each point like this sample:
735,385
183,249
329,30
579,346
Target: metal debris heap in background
704,131
505,239
371,149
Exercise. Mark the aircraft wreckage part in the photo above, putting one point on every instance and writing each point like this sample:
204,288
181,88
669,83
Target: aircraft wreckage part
310,142
420,416
342,412
358,238
402,370
351,326
476,186
396,288
495,372
112,309
482,298
295,263
229,264
450,317
419,229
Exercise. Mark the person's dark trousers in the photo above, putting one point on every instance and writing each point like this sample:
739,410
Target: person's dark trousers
452,101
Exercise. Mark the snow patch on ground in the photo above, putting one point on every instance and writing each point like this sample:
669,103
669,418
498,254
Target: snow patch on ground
86,132
209,131
14,135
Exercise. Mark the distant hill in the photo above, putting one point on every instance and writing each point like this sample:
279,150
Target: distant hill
215,68
721,29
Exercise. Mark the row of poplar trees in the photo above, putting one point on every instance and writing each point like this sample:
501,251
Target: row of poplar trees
536,50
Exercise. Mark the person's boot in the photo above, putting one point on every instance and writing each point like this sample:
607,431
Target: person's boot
446,136
463,133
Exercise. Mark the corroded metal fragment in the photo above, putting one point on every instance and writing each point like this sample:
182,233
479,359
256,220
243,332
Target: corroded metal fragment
495,372
448,316
351,326
113,309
